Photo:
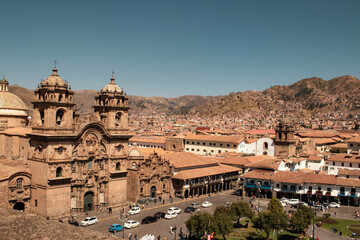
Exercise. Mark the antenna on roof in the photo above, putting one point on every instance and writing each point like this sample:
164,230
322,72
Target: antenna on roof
55,63
112,73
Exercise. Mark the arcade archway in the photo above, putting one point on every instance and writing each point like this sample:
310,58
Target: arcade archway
19,206
88,201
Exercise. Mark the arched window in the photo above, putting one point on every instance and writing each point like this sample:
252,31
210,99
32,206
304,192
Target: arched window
19,183
266,145
133,165
59,116
141,189
42,117
164,186
117,118
59,172
118,166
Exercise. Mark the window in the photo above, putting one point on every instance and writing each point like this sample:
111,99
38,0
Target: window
347,176
342,164
117,166
350,164
192,142
141,189
59,116
351,145
219,151
220,144
234,145
214,144
35,203
164,186
192,149
284,187
277,185
59,172
319,188
19,184
117,118
212,151
228,145
198,150
329,189
266,145
210,144
187,142
300,187
133,165
187,149
203,143
292,187
333,163
310,188
198,143
204,150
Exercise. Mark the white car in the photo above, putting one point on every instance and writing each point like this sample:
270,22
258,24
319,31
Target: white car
334,205
131,224
175,210
170,215
206,204
89,221
134,210
195,205
283,203
293,201
285,200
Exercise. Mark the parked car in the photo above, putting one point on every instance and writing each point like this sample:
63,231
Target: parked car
302,204
148,219
195,205
206,204
72,221
115,228
170,215
175,210
285,200
131,224
283,204
293,201
134,210
89,221
334,205
190,209
159,215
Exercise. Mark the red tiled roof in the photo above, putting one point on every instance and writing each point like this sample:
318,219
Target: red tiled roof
226,139
203,172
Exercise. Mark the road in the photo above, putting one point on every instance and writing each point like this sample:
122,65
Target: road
162,226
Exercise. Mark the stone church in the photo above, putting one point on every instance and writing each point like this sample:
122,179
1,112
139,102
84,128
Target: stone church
74,165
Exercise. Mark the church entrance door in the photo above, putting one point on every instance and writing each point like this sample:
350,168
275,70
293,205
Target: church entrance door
153,192
19,206
88,201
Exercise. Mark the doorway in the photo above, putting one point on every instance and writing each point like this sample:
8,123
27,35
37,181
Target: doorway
88,201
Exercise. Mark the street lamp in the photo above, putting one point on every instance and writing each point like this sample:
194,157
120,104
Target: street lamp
121,218
258,193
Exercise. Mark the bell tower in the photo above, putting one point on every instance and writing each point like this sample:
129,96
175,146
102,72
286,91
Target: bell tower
285,143
53,106
111,108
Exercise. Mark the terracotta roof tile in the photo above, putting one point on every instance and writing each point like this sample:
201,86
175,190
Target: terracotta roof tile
226,139
202,172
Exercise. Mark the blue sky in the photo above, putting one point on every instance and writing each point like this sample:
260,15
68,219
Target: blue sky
173,48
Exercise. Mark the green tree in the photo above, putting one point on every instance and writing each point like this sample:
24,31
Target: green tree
275,206
200,223
301,219
240,209
268,221
224,223
221,209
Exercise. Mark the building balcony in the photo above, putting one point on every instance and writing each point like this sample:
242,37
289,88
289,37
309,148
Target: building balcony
309,192
267,187
353,194
328,194
288,190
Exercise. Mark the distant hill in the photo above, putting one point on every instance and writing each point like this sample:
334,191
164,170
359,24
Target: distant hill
305,96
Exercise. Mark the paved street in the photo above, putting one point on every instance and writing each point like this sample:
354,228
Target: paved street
162,226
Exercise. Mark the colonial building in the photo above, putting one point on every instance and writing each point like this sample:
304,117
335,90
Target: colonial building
285,144
82,163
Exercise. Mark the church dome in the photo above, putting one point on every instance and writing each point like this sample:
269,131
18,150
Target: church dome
54,80
10,104
112,87
134,153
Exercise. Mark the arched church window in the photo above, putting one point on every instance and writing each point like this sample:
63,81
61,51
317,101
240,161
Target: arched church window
266,145
141,189
59,172
42,116
60,97
117,166
133,165
164,186
59,116
117,118
19,183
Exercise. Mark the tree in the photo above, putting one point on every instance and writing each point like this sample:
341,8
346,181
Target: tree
268,221
239,210
200,223
224,224
275,206
221,209
301,219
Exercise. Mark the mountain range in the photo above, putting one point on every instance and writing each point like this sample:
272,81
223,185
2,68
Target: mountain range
307,95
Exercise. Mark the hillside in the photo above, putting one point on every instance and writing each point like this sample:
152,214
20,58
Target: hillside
303,97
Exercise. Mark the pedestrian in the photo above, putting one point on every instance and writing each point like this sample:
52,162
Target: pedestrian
171,229
334,214
135,237
159,237
130,237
